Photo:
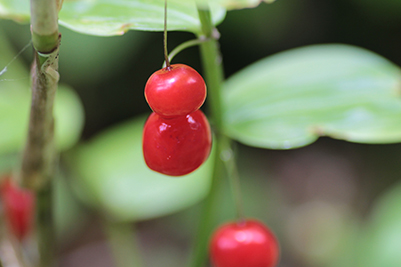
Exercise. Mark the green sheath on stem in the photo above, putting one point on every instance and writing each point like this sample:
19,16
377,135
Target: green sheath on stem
44,25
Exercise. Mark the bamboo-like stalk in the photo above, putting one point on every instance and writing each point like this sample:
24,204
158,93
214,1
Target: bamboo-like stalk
38,160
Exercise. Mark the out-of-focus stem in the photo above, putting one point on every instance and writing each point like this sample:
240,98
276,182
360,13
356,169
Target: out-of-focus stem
122,240
228,157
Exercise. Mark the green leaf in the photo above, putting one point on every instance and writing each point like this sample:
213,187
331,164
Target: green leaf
14,114
105,17
381,246
69,116
115,178
111,17
290,99
234,4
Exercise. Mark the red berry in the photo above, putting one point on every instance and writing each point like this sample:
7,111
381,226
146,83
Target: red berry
246,244
176,146
18,205
175,91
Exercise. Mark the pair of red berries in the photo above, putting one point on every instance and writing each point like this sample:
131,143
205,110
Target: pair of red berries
18,206
244,244
177,137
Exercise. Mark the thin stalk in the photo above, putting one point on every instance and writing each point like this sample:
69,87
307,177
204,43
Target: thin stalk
224,165
228,157
123,244
165,36
199,253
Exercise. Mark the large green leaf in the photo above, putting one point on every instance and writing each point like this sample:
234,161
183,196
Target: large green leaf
115,178
14,113
290,99
115,17
17,10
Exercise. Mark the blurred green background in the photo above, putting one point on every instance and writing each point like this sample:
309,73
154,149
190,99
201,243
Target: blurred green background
331,203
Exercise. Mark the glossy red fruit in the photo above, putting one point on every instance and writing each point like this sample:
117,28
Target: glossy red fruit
175,91
18,205
246,244
176,146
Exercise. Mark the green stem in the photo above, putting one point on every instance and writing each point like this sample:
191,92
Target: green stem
199,253
213,72
122,240
212,65
225,160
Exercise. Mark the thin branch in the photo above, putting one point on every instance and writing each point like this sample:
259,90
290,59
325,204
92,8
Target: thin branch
183,46
165,36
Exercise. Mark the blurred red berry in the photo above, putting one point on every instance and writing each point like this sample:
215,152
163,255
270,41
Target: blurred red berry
18,206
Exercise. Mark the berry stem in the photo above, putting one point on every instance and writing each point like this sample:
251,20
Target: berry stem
165,36
182,47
